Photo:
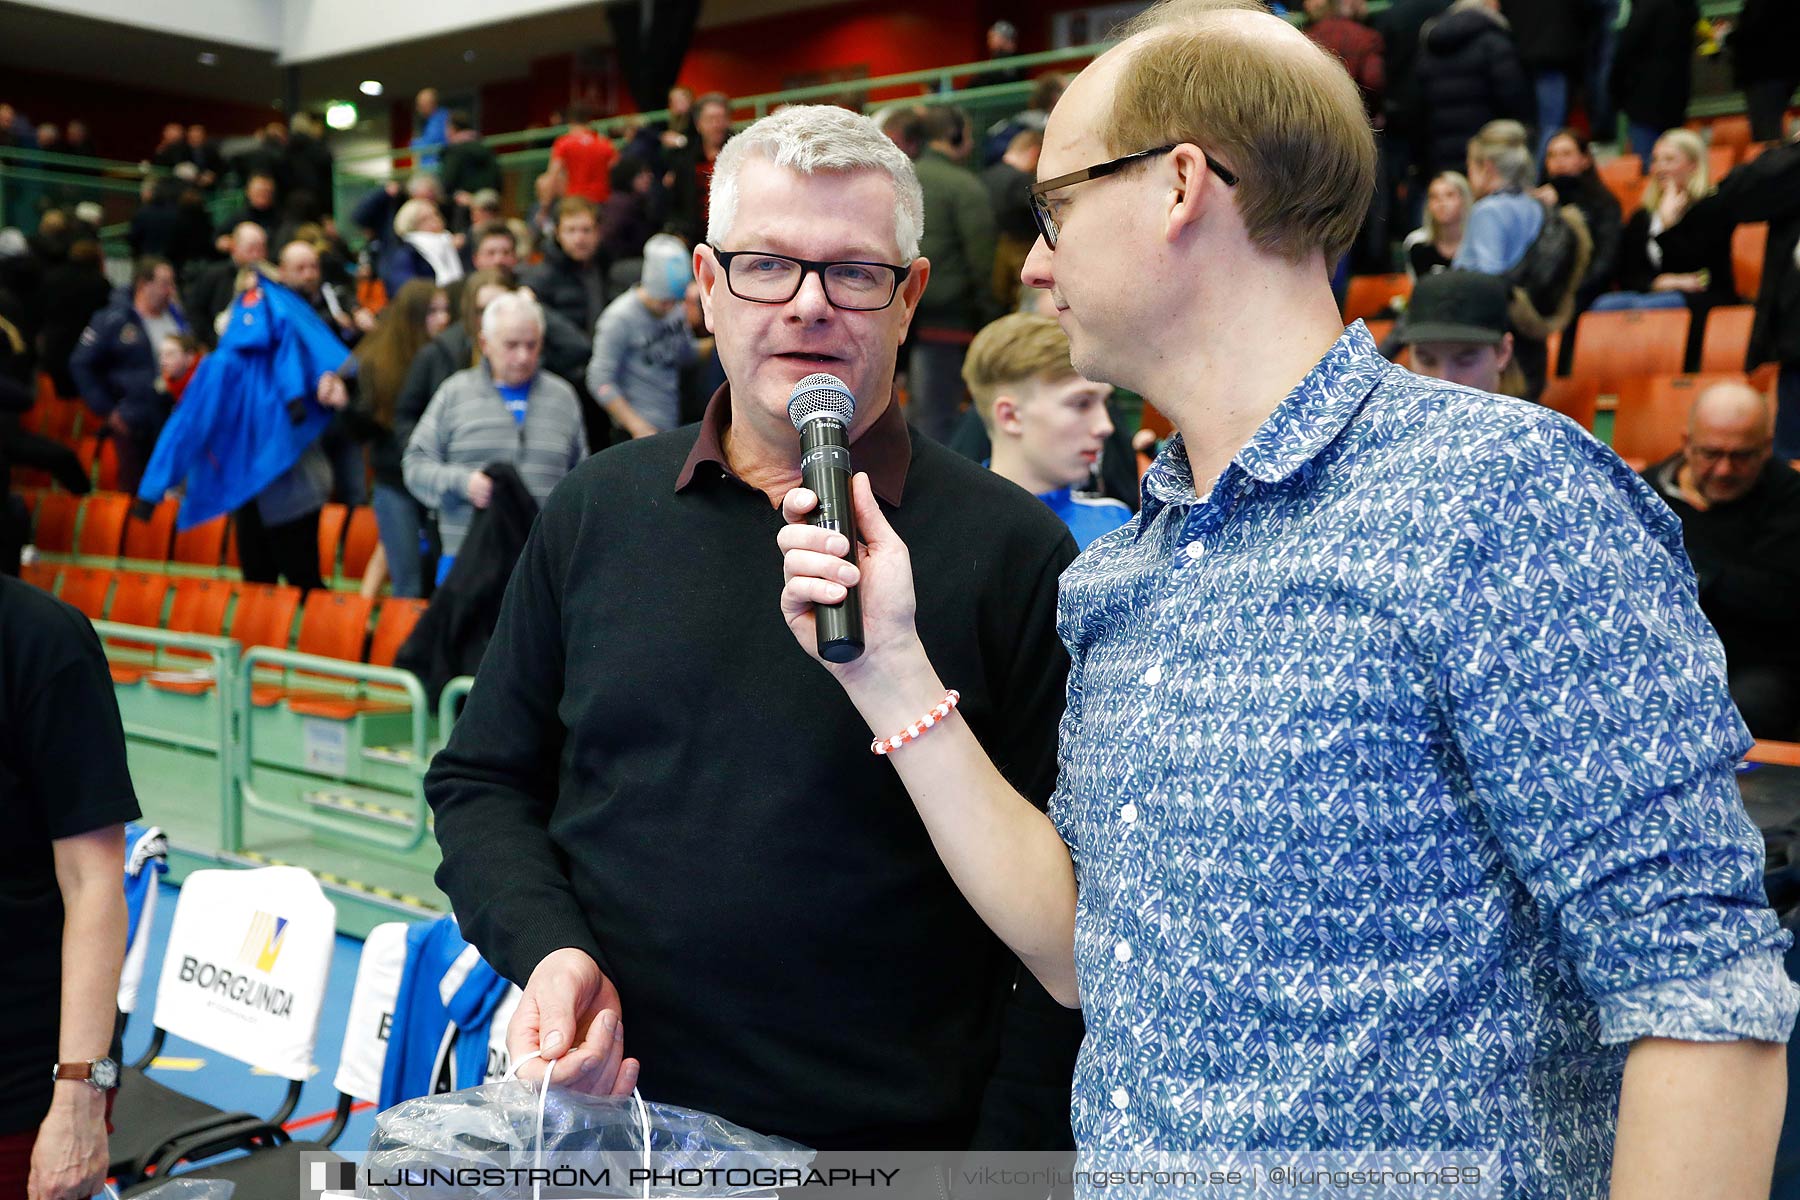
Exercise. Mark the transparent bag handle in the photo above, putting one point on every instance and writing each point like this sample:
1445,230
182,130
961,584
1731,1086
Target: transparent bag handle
643,1112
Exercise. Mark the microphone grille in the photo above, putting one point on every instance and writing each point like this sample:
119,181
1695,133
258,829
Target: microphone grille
820,395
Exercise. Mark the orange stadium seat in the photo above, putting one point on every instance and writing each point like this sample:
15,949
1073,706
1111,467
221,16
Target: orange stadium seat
1624,178
265,615
87,588
1719,161
202,545
106,476
331,532
41,575
199,607
1652,416
1727,339
56,514
138,601
149,539
1749,246
1611,347
332,625
361,536
1371,294
392,628
103,525
1576,399
1731,131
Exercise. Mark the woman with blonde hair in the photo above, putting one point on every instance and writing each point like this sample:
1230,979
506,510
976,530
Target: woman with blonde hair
1695,271
1433,245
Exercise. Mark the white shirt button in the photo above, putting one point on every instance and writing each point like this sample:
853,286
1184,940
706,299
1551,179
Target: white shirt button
1121,1098
1195,549
1128,814
1122,951
1153,676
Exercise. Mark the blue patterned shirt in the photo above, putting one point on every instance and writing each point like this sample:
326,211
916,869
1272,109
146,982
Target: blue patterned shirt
1398,776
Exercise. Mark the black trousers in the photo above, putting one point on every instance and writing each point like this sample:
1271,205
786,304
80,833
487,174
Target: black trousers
289,550
1768,698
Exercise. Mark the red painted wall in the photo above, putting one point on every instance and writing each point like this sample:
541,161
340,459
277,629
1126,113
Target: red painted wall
870,37
124,121
774,53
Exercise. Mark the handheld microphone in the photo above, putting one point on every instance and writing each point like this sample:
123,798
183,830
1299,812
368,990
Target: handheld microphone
821,408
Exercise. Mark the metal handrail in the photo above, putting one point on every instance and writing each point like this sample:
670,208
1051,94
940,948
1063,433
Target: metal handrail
455,690
415,832
760,104
221,655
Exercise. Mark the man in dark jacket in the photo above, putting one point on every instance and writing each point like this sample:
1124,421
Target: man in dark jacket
1764,62
259,209
467,166
115,364
960,241
1469,74
211,291
309,167
1740,520
1654,77
1401,27
1550,39
572,280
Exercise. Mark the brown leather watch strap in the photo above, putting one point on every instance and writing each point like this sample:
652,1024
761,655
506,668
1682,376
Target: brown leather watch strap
74,1070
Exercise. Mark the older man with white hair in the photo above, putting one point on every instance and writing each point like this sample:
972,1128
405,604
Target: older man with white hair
505,410
657,814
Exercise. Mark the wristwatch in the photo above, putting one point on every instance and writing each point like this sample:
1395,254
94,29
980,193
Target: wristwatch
101,1074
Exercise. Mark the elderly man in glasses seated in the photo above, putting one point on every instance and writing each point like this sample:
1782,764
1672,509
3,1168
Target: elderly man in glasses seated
1740,519
658,813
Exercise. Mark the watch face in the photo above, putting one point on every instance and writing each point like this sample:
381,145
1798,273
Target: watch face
105,1074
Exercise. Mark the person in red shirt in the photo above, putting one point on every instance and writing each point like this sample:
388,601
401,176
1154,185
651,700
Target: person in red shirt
584,157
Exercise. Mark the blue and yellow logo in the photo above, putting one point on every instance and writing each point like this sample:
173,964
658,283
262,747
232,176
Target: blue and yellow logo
262,944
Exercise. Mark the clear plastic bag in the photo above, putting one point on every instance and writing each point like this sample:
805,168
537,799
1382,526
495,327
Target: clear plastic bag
185,1189
479,1141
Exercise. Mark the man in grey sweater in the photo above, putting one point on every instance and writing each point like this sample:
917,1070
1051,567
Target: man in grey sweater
502,411
642,342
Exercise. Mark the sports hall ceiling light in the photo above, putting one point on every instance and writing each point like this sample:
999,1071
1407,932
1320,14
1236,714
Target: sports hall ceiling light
341,115
369,87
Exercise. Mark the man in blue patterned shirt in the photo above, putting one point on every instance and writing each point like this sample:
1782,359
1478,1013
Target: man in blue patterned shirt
1397,807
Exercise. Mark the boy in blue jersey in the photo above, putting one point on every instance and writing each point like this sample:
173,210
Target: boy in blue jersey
1047,424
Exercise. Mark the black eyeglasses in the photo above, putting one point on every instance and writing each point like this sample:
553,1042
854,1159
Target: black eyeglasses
775,279
1041,206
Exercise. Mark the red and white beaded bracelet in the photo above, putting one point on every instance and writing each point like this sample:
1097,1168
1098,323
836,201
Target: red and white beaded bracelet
918,728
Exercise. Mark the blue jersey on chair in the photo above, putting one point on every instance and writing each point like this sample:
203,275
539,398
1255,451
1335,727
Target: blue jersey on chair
447,998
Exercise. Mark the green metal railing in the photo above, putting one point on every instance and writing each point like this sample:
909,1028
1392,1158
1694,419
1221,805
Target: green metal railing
415,817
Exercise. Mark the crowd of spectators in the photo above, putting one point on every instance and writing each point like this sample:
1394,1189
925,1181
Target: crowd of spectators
1494,117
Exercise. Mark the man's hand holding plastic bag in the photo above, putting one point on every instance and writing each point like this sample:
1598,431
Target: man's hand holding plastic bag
570,1014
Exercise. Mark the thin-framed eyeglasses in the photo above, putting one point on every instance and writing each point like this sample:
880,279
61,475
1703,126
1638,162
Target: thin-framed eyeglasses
764,278
1043,208
1737,458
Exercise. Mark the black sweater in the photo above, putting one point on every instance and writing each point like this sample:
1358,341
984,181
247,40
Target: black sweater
651,770
1743,556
